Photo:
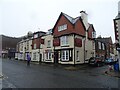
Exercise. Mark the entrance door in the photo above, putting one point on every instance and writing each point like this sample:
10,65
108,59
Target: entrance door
56,57
40,57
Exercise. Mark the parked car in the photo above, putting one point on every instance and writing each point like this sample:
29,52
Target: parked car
96,61
109,61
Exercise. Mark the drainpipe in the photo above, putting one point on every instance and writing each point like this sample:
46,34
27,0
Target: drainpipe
74,50
84,50
39,49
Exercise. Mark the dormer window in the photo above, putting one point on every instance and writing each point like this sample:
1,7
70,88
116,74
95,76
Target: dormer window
62,27
35,35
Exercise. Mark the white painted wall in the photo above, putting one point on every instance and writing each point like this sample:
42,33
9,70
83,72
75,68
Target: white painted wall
85,20
89,49
37,55
44,47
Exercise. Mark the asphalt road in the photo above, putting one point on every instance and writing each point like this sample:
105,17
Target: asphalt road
18,75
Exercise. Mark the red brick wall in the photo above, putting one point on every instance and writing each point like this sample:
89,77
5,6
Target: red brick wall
37,41
78,28
62,21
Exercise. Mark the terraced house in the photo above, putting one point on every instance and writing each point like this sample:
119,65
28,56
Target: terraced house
46,48
70,41
36,43
24,47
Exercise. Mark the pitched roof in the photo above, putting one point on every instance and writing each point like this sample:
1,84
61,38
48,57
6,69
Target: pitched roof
71,19
91,25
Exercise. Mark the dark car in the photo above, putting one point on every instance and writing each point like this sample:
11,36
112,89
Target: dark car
96,61
109,61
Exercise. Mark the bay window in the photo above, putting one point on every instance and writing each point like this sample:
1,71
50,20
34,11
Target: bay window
65,55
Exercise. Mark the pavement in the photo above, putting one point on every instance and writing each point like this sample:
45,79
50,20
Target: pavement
113,73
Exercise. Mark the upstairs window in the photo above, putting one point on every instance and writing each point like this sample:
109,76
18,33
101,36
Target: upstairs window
62,27
27,47
99,45
35,46
103,46
49,44
64,40
93,34
35,35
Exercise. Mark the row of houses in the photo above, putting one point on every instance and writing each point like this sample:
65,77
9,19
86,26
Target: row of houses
70,41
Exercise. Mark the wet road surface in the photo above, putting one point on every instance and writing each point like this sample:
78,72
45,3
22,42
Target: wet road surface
18,75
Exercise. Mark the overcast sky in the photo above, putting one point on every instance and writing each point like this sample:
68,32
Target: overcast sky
17,17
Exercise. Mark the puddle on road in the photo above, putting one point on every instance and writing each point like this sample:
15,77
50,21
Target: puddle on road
1,76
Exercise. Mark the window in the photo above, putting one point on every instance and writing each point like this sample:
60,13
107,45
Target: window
35,46
41,46
103,46
49,43
77,55
99,45
34,56
21,47
93,34
48,55
65,55
64,40
62,27
27,47
36,36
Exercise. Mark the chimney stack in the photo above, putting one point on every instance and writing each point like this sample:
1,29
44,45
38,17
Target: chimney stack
119,7
84,17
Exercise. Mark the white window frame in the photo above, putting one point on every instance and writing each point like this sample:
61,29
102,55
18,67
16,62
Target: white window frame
99,45
41,46
64,40
103,46
64,56
49,43
77,55
93,34
62,27
27,46
34,45
48,55
34,56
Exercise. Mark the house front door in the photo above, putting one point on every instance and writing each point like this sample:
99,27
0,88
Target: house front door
56,57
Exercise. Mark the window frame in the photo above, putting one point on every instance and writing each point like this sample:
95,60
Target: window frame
35,45
64,40
48,55
65,55
48,43
62,27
